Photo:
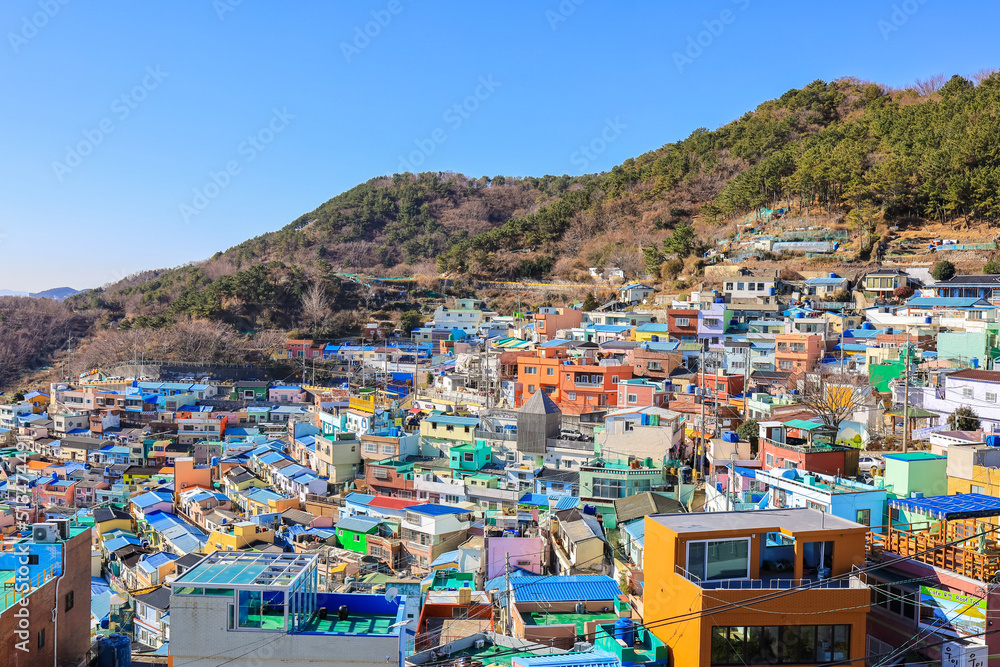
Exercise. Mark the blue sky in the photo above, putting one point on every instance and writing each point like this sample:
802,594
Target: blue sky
141,135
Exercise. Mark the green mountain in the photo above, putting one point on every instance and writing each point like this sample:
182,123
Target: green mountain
851,147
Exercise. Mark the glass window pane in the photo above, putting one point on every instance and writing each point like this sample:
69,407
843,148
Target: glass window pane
841,642
727,559
722,650
824,643
696,559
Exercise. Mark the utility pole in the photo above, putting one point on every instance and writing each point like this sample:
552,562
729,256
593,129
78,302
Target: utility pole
906,396
701,439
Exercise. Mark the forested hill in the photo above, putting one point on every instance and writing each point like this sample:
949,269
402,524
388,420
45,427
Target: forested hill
928,151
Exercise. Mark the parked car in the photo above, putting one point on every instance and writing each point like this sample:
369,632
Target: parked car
870,463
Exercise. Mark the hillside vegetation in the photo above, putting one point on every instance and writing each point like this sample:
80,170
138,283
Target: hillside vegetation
852,150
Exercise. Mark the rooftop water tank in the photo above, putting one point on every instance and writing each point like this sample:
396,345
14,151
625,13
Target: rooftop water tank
993,440
799,315
833,275
114,650
928,319
625,631
720,300
730,436
975,362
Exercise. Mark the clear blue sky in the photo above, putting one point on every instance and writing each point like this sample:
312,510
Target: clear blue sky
200,77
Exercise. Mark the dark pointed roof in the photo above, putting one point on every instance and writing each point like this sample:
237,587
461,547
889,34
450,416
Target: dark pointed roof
540,404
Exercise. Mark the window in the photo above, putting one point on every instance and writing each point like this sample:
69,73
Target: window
371,447
606,488
468,457
864,517
752,287
550,371
633,398
614,379
740,287
895,599
531,389
713,322
975,488
654,366
770,459
729,287
531,370
775,644
786,365
991,397
388,449
719,559
682,321
571,395
966,392
760,287
815,506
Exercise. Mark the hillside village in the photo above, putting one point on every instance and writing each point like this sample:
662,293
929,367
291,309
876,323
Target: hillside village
483,490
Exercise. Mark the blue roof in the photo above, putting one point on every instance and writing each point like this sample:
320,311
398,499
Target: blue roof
582,587
654,327
536,499
432,509
660,346
594,658
446,557
825,281
359,498
151,498
948,508
119,542
154,561
454,421
357,524
950,302
567,503
637,529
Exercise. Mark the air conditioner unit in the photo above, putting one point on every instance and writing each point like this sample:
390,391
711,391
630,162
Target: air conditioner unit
480,644
63,527
44,533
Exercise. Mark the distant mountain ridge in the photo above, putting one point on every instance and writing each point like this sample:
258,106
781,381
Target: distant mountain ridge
57,293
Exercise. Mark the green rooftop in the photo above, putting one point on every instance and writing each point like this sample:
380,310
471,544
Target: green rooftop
373,624
535,618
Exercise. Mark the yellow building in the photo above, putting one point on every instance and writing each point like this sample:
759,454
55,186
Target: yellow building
973,469
239,536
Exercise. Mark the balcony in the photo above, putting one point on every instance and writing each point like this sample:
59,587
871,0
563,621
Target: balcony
773,582
978,558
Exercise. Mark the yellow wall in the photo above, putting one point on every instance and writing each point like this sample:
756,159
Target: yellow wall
988,478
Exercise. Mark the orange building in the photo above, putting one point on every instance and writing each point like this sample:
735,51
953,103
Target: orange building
576,385
798,353
735,579
549,320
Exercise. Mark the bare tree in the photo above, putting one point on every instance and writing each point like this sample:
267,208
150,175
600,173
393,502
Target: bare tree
315,306
930,85
835,397
983,74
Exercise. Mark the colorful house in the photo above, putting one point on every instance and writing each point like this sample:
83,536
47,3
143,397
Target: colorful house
353,532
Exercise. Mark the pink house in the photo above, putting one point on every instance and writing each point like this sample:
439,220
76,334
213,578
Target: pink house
523,552
61,492
286,394
641,393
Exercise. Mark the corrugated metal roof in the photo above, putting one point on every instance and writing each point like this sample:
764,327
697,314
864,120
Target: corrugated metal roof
454,421
947,508
357,524
582,587
595,658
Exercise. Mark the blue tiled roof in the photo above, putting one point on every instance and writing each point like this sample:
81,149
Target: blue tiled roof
583,587
825,281
359,498
431,509
151,498
567,503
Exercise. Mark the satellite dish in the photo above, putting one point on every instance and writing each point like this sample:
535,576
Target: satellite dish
391,593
